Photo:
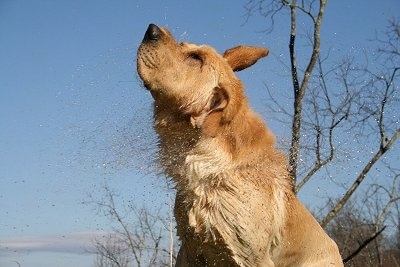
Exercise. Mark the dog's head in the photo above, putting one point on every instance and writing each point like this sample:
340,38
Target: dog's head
194,80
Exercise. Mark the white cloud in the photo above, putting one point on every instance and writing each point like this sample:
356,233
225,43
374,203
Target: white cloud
78,243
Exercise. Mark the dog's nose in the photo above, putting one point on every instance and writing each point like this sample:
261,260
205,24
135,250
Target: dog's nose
153,33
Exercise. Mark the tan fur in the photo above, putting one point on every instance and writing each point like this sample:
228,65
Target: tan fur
234,205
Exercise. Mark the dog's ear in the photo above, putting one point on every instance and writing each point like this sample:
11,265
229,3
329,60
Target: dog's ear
241,57
209,120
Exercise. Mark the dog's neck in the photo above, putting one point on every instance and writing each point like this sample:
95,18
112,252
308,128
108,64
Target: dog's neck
184,149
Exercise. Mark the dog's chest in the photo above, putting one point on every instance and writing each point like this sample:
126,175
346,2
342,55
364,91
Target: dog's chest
202,218
220,218
208,209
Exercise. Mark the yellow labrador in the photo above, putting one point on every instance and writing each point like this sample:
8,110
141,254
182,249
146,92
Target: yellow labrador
234,205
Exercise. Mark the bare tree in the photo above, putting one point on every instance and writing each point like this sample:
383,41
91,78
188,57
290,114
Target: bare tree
299,80
139,237
359,244
111,251
374,113
359,227
335,102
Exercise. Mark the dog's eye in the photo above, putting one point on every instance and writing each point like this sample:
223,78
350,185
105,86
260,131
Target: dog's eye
196,57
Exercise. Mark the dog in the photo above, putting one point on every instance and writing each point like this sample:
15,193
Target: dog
234,205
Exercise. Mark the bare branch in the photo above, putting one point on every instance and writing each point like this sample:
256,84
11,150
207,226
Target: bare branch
142,243
364,244
300,89
359,179
342,110
267,9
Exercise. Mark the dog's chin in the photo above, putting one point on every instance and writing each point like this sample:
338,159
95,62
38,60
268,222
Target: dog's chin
147,86
156,93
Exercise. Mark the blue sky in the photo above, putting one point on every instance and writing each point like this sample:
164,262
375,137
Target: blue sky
71,98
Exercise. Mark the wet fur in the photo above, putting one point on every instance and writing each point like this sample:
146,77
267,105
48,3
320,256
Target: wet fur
234,205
